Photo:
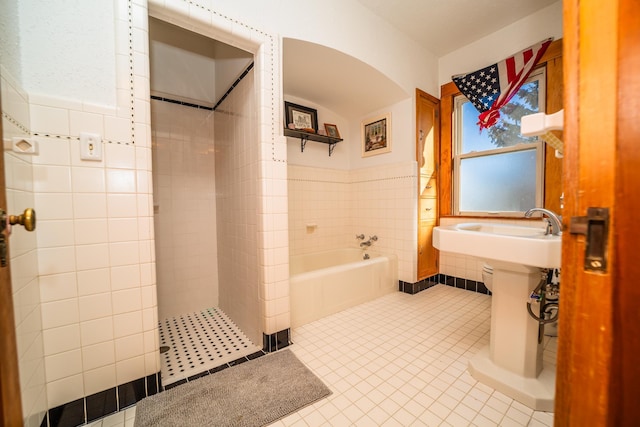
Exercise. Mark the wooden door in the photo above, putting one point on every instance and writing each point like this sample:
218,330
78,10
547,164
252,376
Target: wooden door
598,374
10,405
427,149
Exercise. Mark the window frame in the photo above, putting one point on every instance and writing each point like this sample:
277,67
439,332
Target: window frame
553,174
539,74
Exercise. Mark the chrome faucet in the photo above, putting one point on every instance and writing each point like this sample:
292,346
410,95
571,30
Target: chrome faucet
554,221
369,242
360,236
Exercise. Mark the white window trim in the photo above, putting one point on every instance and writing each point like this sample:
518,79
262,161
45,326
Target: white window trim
540,74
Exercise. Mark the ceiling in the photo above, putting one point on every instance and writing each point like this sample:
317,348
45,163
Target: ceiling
344,87
442,26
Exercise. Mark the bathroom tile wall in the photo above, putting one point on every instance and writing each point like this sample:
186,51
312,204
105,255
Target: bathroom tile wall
185,205
236,175
319,209
86,277
340,204
96,264
24,255
269,204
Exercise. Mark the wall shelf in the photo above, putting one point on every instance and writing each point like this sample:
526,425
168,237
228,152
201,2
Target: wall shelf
308,136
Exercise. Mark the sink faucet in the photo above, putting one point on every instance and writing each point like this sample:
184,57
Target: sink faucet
553,220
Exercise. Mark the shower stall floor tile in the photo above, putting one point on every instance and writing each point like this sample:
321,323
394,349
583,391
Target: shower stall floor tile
198,342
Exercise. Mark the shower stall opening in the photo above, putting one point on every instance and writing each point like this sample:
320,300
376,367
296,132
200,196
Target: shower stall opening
202,124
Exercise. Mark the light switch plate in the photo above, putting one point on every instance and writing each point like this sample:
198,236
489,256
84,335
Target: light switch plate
90,146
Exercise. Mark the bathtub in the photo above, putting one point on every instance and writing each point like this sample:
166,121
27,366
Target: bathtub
324,283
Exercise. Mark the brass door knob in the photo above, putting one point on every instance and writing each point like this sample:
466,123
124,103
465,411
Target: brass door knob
26,219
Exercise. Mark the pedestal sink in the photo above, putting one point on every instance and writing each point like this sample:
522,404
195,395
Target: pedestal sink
512,363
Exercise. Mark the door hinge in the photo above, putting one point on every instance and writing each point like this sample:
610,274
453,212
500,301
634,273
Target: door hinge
595,226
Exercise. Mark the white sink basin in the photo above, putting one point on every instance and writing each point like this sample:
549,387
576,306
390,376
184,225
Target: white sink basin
507,243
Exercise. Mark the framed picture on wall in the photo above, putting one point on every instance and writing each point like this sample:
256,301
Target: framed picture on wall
302,118
376,135
331,130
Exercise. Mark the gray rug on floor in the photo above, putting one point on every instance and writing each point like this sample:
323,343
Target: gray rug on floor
254,393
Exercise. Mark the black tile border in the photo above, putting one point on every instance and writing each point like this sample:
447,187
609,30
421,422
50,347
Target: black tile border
276,341
443,279
194,377
107,402
101,404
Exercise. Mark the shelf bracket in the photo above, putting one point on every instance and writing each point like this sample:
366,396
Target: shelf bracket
331,148
303,143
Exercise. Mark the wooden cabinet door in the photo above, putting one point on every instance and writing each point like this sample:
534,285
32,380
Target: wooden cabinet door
427,254
427,149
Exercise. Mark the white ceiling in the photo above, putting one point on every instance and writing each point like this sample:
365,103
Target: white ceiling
344,87
442,26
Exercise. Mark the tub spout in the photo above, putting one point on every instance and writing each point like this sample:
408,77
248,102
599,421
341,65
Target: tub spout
365,244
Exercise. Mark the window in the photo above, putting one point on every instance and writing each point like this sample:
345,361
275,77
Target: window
498,171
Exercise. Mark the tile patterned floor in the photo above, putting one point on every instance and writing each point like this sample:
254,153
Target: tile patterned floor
198,342
401,360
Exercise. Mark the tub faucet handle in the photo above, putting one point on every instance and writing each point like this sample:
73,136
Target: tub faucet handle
373,238
360,236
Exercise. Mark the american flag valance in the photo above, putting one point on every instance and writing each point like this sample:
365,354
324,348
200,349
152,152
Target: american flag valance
489,88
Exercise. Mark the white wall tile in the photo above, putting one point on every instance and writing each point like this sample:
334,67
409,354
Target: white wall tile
98,355
121,181
51,206
80,121
89,205
62,339
58,287
60,313
88,180
93,281
120,156
125,277
63,365
52,152
99,379
127,324
54,233
90,231
91,257
129,346
65,390
49,120
95,306
123,253
126,301
51,179
122,205
129,369
123,229
96,331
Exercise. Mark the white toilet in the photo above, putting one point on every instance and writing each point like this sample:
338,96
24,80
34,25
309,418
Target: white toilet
487,276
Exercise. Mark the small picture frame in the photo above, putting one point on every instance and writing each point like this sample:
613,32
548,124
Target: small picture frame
331,130
376,135
302,118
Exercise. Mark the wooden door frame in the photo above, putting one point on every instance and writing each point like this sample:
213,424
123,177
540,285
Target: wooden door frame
10,398
598,376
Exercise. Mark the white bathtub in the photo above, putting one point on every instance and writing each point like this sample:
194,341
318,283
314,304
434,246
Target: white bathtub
324,283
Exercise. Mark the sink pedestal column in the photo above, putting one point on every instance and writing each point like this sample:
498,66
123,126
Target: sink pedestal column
512,363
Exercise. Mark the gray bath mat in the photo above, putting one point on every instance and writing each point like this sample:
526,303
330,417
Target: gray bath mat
254,393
